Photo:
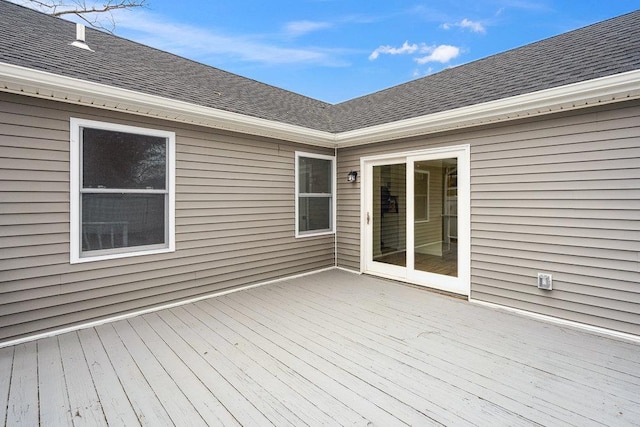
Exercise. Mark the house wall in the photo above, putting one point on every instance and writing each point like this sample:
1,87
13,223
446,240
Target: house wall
234,221
557,194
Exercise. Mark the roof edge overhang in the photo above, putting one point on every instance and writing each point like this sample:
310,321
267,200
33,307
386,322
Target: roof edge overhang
589,93
41,84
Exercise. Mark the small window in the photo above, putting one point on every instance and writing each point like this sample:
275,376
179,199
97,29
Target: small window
122,191
315,194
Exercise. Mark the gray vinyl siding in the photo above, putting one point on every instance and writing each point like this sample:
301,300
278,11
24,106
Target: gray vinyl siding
234,221
558,194
348,213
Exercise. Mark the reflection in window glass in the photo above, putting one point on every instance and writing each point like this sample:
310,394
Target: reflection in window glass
123,160
112,221
421,194
314,213
314,175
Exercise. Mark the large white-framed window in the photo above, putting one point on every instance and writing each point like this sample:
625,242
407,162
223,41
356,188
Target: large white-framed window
122,188
315,194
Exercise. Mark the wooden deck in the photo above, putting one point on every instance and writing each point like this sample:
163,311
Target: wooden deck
328,349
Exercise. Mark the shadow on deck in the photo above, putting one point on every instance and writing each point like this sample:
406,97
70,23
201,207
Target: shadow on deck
331,348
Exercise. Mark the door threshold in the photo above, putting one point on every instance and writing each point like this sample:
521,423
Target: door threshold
418,286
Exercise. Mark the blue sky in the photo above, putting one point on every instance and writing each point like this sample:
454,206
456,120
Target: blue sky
334,50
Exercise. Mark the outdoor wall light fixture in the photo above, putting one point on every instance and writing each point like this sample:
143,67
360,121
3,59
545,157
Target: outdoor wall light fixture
351,176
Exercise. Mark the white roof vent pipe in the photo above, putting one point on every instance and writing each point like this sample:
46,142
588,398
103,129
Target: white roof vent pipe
80,38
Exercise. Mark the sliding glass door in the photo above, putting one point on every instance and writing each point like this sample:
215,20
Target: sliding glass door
388,214
413,206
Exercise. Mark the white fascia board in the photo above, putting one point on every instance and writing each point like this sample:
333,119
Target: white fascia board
26,81
615,88
51,86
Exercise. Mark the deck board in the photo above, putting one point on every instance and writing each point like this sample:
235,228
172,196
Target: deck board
55,408
389,360
86,407
455,393
492,360
164,386
22,408
6,365
197,358
331,348
288,381
265,385
113,399
367,370
407,309
140,394
327,376
211,410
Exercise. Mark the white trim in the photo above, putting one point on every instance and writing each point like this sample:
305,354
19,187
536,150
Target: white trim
75,252
154,309
348,270
41,84
570,323
335,210
332,219
363,215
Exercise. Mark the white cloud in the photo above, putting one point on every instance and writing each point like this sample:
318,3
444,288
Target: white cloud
405,49
204,44
299,28
474,26
443,54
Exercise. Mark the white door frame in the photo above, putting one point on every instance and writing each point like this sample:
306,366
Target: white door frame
462,283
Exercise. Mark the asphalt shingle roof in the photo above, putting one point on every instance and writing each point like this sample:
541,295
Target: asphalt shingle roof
599,50
38,41
35,40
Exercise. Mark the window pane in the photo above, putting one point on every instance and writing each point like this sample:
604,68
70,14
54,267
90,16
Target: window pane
314,213
123,160
389,214
122,220
314,175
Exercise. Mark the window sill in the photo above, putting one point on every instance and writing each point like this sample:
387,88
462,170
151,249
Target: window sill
105,257
315,234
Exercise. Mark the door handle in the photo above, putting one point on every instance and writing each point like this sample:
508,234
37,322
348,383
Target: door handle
368,218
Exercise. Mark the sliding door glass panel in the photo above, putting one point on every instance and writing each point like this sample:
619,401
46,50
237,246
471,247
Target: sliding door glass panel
436,216
390,214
